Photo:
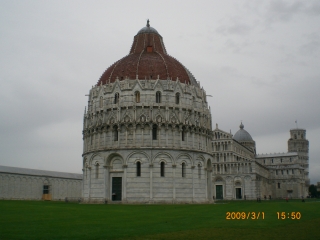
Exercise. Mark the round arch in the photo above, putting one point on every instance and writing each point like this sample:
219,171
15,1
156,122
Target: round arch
164,153
137,152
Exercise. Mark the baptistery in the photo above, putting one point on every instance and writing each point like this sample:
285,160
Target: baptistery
147,130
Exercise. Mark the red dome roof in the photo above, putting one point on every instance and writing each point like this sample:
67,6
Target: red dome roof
148,58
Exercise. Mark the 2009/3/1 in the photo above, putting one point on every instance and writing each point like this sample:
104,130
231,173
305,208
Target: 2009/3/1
244,215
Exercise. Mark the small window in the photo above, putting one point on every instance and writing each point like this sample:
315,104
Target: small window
272,160
162,169
154,132
287,171
177,98
137,96
183,134
149,49
282,172
278,185
138,169
101,102
276,172
116,98
292,171
199,171
158,97
290,159
45,189
183,170
97,171
115,133
281,160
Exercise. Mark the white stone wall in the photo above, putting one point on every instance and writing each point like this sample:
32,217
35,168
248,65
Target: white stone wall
150,187
183,136
28,187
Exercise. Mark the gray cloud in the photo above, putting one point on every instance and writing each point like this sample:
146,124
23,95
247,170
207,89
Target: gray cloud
286,10
258,60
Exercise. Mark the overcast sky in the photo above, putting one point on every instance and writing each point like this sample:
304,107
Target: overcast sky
258,59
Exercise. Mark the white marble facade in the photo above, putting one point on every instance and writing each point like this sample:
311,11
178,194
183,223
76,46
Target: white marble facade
120,133
125,134
149,139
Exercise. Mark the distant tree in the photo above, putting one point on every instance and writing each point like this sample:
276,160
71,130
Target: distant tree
313,190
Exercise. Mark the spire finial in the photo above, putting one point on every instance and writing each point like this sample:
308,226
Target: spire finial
148,25
241,125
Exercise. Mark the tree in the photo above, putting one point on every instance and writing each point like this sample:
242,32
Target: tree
313,190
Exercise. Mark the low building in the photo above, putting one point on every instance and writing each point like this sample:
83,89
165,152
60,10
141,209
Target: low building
30,184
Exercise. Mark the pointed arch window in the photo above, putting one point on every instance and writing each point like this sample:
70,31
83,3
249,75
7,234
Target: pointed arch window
183,170
158,97
137,96
138,169
177,98
162,169
116,98
154,132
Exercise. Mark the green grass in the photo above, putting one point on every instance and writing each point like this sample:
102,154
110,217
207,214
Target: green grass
59,220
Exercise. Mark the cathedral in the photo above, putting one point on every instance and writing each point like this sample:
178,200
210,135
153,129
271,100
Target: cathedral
148,138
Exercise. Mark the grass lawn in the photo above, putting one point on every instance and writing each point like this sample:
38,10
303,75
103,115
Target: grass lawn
60,220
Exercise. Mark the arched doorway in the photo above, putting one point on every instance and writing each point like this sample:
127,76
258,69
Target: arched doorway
115,187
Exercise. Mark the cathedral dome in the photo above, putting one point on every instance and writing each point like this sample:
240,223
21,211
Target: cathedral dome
147,59
242,135
148,29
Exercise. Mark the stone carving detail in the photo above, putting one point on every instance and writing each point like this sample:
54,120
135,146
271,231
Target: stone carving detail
187,120
126,117
247,178
228,179
173,117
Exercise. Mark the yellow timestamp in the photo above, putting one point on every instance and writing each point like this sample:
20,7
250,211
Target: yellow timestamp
289,215
244,215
